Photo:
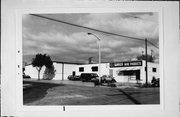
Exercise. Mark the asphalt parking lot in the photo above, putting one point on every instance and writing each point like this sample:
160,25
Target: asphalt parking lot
84,93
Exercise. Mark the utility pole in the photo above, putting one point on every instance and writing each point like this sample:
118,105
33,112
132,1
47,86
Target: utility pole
99,43
146,57
62,71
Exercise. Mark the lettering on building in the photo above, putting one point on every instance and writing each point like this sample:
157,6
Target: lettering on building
126,64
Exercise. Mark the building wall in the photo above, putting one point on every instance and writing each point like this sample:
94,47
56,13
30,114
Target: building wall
88,69
63,70
68,69
151,74
32,72
58,68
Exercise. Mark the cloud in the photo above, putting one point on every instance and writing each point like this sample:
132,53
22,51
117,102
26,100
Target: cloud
58,44
137,25
71,44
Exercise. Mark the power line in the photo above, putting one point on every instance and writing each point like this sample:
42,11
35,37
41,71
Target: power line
109,33
87,27
147,41
153,44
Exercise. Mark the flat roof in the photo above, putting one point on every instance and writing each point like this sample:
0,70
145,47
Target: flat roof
68,62
75,63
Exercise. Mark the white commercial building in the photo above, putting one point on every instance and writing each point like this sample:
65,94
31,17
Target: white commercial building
63,70
128,71
133,71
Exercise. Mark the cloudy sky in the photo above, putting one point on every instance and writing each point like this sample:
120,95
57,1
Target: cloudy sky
66,43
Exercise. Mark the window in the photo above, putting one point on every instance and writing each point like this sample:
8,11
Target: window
95,68
153,69
121,73
81,69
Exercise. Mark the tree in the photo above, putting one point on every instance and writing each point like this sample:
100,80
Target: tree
41,60
49,73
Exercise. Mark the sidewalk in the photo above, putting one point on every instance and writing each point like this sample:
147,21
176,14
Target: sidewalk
78,83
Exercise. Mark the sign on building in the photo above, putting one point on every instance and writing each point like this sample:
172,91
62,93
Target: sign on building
126,64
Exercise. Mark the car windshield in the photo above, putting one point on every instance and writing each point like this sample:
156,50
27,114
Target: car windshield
94,75
89,74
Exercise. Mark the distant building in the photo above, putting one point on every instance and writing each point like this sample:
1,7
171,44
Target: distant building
127,71
63,70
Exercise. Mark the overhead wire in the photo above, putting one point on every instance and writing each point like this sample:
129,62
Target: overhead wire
153,44
93,29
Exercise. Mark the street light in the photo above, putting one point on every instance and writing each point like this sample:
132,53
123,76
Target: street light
99,54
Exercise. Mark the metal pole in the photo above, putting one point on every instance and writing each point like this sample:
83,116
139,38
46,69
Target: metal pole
99,61
99,40
62,71
146,61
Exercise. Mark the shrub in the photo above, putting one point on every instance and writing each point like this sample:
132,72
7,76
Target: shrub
49,73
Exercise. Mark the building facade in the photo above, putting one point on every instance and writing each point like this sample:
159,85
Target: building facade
63,70
127,71
134,71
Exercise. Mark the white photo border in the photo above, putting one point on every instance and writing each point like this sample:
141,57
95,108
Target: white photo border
92,10
20,109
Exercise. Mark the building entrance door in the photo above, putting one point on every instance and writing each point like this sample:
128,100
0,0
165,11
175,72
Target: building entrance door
111,72
137,74
73,73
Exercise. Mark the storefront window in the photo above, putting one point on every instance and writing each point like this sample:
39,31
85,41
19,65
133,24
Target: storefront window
132,74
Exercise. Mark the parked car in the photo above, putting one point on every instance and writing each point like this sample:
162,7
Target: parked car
26,76
73,77
155,82
107,79
85,77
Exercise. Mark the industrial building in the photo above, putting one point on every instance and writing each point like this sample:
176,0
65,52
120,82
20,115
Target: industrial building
126,71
